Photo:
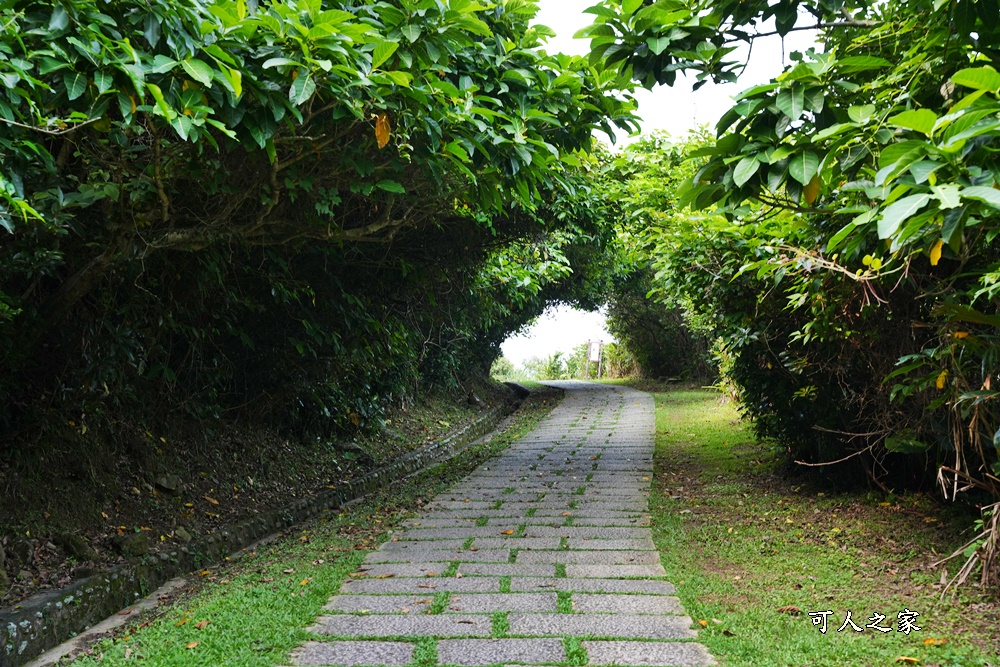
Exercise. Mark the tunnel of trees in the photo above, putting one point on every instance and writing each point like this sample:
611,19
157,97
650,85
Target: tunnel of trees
302,213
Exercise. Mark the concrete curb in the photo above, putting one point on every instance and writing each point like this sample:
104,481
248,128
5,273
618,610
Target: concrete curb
48,619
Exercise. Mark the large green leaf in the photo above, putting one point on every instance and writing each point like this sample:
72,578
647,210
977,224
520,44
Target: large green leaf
899,212
199,70
382,52
978,78
791,102
745,170
802,167
920,120
76,84
986,195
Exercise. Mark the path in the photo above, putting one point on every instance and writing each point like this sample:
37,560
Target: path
527,559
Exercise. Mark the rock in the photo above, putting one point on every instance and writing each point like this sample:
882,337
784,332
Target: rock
133,545
4,581
475,401
77,547
3,557
182,534
24,575
22,551
170,484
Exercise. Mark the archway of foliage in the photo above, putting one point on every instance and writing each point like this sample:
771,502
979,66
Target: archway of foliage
293,210
851,209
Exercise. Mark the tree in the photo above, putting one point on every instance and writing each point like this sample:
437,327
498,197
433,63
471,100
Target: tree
863,183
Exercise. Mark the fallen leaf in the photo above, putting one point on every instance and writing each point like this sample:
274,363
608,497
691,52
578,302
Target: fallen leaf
306,581
201,625
191,645
931,641
908,660
703,623
289,570
383,130
204,573
423,601
567,514
791,610
180,623
125,612
426,586
211,500
431,574
507,532
387,575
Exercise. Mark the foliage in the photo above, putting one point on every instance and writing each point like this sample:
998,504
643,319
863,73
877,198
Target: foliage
855,203
293,210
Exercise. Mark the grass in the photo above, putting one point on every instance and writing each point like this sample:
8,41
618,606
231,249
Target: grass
753,553
255,610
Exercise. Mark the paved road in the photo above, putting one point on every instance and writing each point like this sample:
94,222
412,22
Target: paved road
542,555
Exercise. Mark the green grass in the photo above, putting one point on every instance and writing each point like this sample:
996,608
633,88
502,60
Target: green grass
753,553
259,606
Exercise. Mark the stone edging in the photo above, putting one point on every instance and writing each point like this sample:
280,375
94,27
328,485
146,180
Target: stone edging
48,619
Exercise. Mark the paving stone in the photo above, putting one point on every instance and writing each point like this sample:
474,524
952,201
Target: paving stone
395,625
516,543
422,586
476,652
380,604
491,602
613,571
637,544
354,653
604,603
594,557
402,569
630,626
534,584
594,533
405,545
648,654
472,531
507,570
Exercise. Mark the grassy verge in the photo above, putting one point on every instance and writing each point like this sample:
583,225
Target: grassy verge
753,553
254,611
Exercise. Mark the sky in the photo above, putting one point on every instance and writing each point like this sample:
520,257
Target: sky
676,110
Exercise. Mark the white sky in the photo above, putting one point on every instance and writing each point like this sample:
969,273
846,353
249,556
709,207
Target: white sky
676,110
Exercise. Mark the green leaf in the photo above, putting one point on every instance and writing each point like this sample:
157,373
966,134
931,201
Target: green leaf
978,78
860,64
920,120
791,102
803,166
981,193
198,70
900,211
411,32
103,81
861,114
391,186
302,89
947,195
403,79
745,170
382,53
76,84
235,79
161,103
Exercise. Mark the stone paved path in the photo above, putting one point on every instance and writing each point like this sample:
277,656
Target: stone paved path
541,556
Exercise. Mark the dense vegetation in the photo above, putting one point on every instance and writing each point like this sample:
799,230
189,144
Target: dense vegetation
840,237
296,211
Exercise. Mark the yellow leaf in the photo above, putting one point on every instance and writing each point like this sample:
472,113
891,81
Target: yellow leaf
201,625
936,252
507,532
191,645
961,334
204,573
703,623
211,500
941,379
304,582
811,191
908,660
383,130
